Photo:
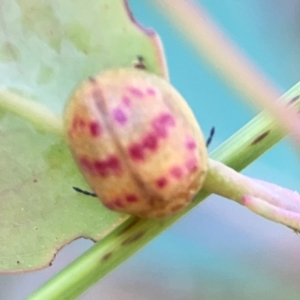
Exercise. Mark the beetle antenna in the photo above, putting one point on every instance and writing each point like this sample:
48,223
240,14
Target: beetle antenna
84,192
211,135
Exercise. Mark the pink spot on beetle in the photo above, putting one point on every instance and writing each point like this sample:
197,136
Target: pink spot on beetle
136,152
119,116
108,166
150,91
167,119
95,129
126,101
135,92
161,123
131,198
101,168
161,182
150,142
176,172
113,163
190,143
191,165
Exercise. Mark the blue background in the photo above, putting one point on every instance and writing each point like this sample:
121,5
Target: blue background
220,250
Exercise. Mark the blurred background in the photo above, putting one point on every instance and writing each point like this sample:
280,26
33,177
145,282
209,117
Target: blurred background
220,250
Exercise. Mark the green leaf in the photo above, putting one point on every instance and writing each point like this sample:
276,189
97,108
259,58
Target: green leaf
46,49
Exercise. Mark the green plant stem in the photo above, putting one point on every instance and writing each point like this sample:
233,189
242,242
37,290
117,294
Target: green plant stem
36,113
237,152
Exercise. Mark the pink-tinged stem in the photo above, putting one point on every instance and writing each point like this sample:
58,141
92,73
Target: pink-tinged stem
268,200
272,212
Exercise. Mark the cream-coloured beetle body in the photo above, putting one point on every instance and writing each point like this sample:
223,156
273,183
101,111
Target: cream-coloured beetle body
137,142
